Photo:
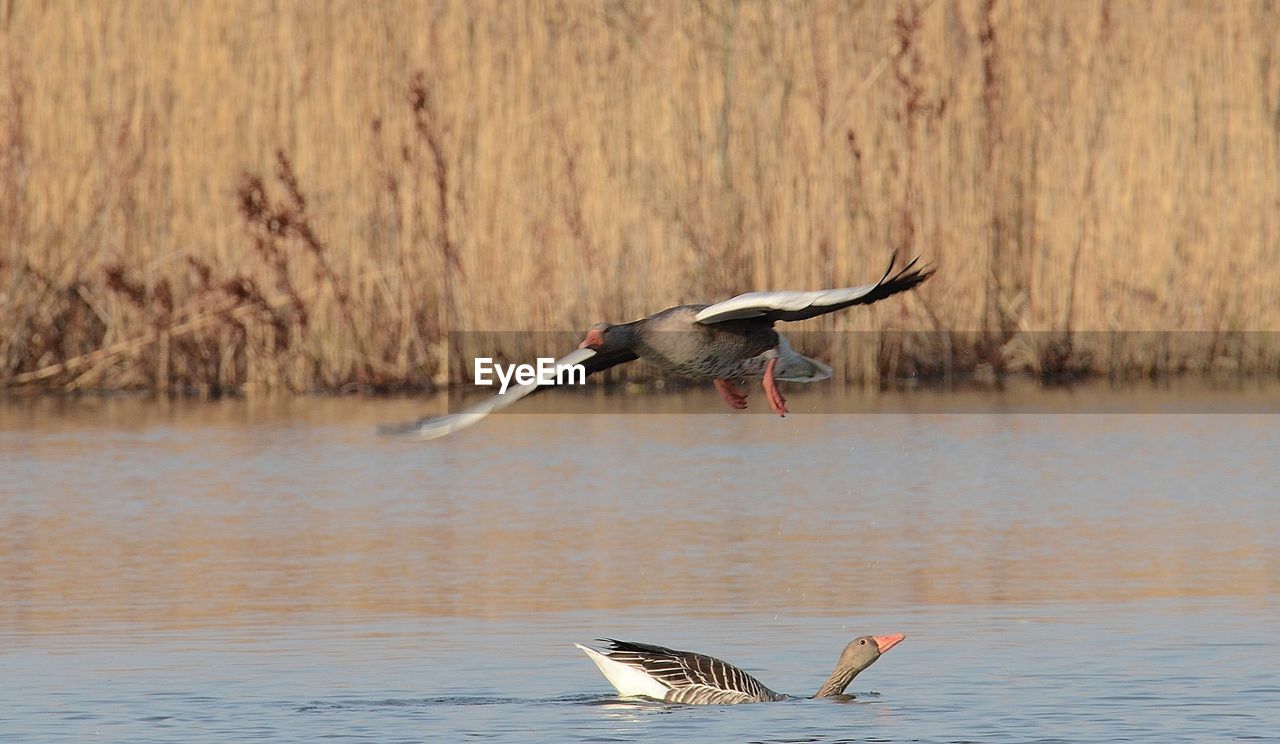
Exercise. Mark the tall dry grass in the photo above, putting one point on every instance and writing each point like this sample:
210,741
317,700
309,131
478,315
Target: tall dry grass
238,195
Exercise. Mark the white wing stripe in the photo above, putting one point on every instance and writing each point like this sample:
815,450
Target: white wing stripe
755,304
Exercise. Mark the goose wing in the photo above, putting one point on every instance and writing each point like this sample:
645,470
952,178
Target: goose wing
433,427
692,678
799,305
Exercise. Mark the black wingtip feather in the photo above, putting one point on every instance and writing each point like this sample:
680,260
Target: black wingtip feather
634,647
910,263
909,277
926,270
893,261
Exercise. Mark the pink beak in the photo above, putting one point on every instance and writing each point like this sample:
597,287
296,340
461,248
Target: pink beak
594,339
887,642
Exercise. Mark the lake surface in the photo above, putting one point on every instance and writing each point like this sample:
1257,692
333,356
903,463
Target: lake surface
272,570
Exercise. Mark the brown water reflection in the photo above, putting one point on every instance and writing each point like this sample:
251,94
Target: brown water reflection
195,513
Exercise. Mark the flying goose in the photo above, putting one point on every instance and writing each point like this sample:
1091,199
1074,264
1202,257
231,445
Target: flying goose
694,679
722,343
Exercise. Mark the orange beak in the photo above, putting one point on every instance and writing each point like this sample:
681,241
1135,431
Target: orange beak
594,340
887,642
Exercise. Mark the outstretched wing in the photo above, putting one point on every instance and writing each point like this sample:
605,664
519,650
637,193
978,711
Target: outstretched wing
433,427
798,305
693,678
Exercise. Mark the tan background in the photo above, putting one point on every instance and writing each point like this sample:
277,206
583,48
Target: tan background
527,166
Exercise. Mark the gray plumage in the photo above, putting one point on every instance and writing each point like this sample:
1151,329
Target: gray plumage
725,342
697,679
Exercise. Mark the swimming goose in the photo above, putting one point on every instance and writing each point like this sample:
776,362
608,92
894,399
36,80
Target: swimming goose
721,343
694,679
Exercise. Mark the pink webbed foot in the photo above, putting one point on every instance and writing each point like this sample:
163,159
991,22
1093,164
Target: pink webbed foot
776,401
732,395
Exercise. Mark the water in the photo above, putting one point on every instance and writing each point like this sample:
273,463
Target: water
270,570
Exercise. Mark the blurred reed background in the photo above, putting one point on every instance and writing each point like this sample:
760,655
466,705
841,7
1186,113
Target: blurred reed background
230,196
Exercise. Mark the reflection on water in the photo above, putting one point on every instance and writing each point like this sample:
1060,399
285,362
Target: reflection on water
273,569
211,512
1145,670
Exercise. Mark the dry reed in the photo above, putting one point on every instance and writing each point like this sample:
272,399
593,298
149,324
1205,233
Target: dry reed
232,196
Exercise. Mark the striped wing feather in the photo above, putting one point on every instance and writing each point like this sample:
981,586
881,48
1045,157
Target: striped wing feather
790,305
693,678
